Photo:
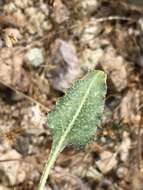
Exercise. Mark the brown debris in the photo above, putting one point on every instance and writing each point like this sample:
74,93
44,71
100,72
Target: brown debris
11,70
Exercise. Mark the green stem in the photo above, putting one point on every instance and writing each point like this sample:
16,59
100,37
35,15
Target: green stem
49,164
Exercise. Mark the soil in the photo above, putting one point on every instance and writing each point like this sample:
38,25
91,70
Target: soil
45,46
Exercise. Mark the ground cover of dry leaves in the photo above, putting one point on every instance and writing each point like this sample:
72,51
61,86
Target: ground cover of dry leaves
44,47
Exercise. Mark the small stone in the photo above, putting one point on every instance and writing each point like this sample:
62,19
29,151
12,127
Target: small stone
125,147
90,32
36,18
107,162
34,57
88,7
44,8
9,169
10,8
22,4
91,58
93,173
62,75
61,12
122,172
115,66
103,139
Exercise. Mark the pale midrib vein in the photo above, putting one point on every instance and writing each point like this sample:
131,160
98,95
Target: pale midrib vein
54,152
76,114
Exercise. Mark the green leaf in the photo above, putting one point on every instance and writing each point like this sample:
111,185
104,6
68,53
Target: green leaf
76,116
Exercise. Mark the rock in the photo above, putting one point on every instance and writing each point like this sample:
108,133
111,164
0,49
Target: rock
36,18
22,4
11,69
122,172
61,12
37,117
34,57
107,162
9,169
14,171
89,33
94,174
125,147
91,58
129,107
115,67
66,67
10,7
88,7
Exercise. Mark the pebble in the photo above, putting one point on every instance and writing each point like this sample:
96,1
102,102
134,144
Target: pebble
89,6
34,57
107,162
91,58
121,172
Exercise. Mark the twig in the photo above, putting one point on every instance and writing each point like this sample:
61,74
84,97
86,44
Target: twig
111,18
27,97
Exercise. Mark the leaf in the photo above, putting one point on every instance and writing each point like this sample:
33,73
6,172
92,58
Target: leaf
76,116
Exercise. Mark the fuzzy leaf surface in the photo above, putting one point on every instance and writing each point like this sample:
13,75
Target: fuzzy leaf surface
76,115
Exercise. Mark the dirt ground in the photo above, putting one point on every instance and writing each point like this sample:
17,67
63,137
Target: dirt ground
45,45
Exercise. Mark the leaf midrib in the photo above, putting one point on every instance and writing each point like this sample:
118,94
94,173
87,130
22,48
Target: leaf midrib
61,142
